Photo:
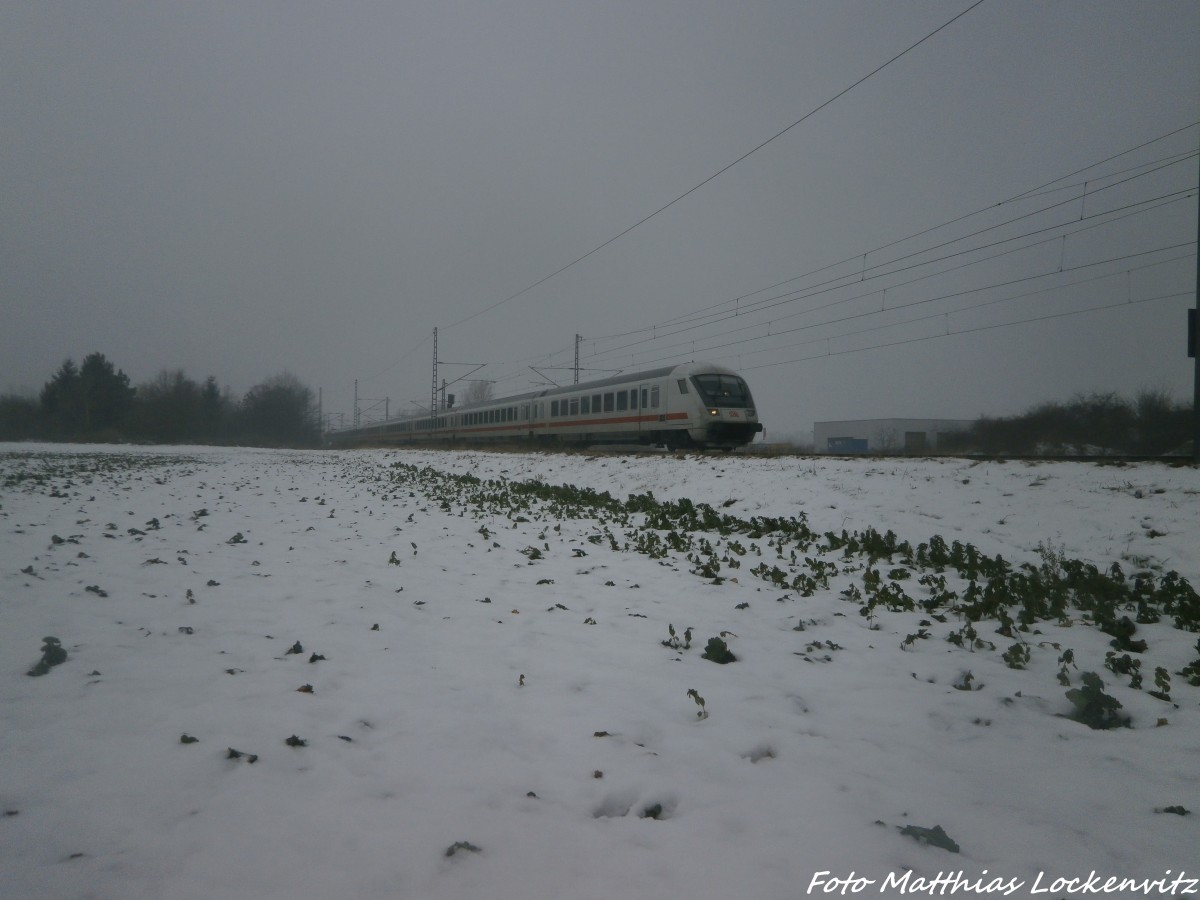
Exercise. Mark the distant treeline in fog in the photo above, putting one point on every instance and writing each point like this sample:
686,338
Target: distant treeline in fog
95,401
1151,424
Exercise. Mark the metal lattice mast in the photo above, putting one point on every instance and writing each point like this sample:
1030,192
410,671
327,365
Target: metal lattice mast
578,338
433,393
1195,345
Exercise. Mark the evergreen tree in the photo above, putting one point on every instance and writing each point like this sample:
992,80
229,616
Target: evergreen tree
61,399
106,394
168,408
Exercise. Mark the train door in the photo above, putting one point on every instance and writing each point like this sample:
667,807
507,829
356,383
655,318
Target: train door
642,400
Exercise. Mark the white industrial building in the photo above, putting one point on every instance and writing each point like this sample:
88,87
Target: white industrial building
884,435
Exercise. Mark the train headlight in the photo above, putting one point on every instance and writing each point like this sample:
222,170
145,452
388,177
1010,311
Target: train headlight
714,412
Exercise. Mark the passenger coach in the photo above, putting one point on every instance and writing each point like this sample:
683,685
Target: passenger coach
693,405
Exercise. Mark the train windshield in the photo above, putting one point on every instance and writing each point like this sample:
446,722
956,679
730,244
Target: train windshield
723,390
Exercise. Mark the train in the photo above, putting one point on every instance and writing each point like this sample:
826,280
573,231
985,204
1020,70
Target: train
691,406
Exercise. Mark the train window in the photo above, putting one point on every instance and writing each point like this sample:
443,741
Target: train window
654,398
585,405
682,382
595,403
575,407
723,390
512,414
622,400
554,407
633,404
608,402
645,398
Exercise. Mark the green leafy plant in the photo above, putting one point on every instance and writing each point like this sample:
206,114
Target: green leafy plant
718,651
934,837
1066,659
965,682
1093,707
52,655
1162,682
1017,656
1125,665
703,713
674,641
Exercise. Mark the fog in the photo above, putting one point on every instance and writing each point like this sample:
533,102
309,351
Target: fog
240,189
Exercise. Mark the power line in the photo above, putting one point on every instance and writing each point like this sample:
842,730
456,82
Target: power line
841,283
721,171
948,333
1031,192
909,321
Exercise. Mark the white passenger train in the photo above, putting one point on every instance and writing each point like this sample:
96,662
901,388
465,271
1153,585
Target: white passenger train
694,405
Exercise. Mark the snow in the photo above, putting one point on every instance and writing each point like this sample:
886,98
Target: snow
487,708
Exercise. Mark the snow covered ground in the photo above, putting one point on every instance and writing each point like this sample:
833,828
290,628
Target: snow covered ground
495,708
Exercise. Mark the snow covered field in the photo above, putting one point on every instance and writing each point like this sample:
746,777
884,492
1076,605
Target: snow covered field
499,700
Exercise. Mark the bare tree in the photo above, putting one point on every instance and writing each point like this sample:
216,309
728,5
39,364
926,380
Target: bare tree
477,391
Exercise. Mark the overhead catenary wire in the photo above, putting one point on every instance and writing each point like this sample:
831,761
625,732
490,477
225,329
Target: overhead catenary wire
862,274
880,271
1042,318
847,282
862,255
707,348
812,112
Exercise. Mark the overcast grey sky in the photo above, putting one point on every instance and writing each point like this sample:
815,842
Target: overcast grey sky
239,188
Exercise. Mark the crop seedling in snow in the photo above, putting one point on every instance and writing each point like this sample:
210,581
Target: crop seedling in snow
1016,597
675,643
718,651
1162,681
964,682
934,837
1093,707
1125,665
703,713
52,655
912,639
1017,656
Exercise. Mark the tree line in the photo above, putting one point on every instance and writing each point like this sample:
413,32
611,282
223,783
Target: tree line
1151,424
95,401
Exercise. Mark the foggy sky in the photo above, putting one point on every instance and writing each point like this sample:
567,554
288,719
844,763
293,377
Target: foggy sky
238,189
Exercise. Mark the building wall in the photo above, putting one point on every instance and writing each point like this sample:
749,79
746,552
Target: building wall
883,435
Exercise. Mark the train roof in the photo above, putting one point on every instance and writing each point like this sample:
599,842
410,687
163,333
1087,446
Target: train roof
682,370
